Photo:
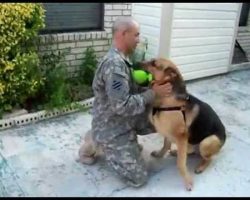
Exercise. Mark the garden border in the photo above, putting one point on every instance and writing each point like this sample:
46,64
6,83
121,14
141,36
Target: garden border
42,115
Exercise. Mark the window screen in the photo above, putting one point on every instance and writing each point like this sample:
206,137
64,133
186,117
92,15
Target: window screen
71,17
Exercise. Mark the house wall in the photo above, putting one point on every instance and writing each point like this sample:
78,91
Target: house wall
149,17
198,37
202,37
77,42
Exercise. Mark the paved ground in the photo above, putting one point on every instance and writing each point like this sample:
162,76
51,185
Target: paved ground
39,159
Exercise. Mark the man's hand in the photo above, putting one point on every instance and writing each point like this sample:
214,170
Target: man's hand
162,90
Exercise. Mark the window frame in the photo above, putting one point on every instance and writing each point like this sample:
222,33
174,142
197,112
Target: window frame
72,30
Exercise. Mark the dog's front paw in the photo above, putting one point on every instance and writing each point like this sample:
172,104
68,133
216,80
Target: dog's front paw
156,154
189,184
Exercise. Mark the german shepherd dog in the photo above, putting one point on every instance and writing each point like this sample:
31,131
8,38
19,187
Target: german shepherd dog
183,120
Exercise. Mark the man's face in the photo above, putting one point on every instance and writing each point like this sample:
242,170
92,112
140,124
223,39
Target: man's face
131,38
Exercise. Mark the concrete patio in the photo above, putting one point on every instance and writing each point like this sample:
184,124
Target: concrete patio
38,160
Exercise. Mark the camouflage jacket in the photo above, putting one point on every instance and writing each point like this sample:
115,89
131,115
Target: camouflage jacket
118,99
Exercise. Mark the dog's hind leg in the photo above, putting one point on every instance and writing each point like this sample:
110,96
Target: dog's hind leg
182,144
208,147
163,150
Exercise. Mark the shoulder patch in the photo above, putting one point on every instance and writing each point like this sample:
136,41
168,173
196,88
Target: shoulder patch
118,86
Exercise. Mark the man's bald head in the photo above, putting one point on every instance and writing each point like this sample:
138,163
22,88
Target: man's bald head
123,24
126,34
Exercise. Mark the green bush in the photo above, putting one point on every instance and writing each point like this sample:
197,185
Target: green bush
88,67
81,86
59,89
20,76
56,85
31,80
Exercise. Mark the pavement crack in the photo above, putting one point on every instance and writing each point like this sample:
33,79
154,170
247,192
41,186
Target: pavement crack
117,190
241,140
4,166
93,179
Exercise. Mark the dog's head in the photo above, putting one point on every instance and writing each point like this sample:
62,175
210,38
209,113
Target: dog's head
164,70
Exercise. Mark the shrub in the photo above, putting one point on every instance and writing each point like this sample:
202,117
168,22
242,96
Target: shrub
81,86
59,89
88,67
20,76
56,85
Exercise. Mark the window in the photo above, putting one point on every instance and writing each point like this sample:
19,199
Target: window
73,17
244,14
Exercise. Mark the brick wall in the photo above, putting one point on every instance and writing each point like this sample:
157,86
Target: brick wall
77,42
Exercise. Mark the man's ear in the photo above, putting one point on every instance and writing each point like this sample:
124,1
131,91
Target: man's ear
124,32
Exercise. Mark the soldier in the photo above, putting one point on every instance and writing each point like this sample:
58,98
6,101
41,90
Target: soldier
121,108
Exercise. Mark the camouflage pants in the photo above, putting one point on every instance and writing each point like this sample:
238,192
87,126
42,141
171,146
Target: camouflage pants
123,154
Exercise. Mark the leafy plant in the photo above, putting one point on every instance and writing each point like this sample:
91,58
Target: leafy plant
20,76
56,86
81,87
60,90
80,91
88,67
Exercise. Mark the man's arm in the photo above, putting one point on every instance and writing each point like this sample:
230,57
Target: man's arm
118,91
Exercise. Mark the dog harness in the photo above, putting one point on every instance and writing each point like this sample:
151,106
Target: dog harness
174,108
181,108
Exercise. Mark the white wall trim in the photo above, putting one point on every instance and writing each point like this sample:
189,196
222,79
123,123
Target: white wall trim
204,73
166,29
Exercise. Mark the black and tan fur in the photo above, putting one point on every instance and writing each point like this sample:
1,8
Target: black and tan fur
198,125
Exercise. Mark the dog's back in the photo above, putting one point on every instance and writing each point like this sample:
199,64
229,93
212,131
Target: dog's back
205,123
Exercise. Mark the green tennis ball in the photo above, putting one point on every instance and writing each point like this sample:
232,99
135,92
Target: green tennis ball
140,76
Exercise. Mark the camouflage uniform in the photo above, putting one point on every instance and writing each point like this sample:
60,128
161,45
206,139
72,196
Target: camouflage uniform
120,112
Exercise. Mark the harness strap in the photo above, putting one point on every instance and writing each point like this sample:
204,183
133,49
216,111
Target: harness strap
158,109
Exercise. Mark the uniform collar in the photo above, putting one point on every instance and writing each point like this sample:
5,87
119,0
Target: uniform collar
125,58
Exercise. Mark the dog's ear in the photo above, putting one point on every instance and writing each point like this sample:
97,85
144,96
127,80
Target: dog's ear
178,73
179,86
174,72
